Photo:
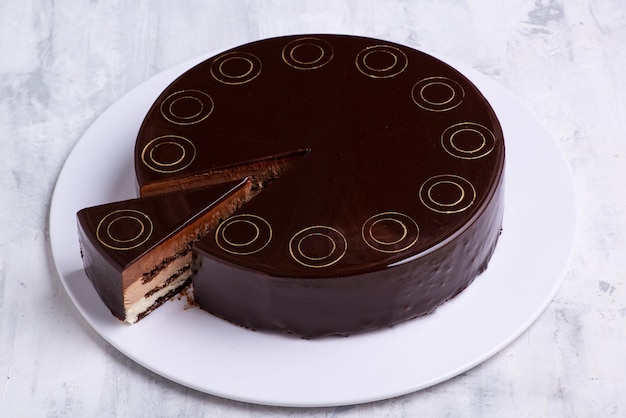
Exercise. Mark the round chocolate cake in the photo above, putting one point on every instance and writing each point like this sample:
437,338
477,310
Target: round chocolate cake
378,176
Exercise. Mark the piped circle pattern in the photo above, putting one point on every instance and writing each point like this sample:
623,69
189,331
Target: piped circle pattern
307,53
168,154
468,140
381,61
318,246
236,68
243,234
437,94
390,232
447,193
187,107
124,229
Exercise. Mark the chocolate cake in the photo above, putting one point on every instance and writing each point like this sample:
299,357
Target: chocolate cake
378,172
137,253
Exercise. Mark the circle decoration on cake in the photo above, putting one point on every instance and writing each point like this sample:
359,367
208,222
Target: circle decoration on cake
124,229
437,94
447,193
307,53
236,68
186,107
468,140
381,61
318,246
243,234
168,154
390,232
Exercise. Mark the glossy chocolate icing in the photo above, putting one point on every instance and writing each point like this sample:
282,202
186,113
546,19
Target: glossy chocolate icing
113,236
394,202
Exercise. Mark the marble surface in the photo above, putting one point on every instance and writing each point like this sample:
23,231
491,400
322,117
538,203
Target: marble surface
63,63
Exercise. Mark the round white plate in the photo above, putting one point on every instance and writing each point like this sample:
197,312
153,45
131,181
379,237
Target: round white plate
194,348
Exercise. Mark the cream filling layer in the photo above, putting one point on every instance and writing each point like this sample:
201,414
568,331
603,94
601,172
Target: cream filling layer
135,300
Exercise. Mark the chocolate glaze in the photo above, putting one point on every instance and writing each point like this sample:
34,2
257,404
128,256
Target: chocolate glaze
115,235
393,206
314,307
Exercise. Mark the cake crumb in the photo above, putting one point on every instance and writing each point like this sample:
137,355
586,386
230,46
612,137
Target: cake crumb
187,294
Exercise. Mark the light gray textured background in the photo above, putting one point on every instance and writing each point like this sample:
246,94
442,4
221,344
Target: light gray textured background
62,63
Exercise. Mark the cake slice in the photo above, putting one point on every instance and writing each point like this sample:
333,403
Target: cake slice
137,253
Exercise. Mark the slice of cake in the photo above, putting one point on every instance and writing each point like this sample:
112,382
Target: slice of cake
138,253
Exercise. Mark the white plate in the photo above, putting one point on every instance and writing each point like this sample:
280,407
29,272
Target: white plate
193,348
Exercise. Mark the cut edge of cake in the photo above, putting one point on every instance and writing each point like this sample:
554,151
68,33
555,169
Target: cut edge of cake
260,172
